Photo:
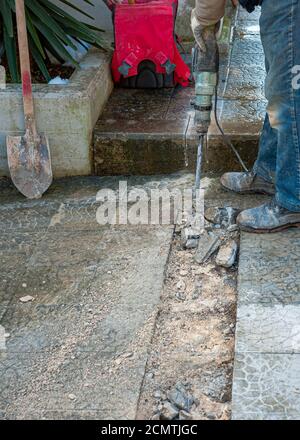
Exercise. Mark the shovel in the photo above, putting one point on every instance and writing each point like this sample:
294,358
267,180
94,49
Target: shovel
29,155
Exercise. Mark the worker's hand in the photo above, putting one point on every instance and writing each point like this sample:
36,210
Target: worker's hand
199,31
235,3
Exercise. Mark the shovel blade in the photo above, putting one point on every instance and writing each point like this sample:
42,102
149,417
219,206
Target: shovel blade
29,162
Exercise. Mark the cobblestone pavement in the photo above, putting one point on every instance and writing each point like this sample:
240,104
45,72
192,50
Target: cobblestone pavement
266,381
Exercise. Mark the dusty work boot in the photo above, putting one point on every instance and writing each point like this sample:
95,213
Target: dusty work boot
247,183
269,217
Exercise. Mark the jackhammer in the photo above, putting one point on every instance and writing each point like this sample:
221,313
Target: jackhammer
205,66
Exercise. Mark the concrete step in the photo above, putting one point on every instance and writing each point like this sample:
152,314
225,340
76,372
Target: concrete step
148,132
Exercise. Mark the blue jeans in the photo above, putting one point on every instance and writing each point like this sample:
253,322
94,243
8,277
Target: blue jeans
279,153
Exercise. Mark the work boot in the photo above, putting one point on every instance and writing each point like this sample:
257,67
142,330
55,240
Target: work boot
247,183
269,217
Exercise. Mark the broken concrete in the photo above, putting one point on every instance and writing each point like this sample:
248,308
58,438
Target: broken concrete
208,244
190,237
223,217
227,254
26,299
169,411
179,397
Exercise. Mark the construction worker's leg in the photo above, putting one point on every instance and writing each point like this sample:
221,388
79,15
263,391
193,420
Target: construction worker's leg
261,178
265,165
280,33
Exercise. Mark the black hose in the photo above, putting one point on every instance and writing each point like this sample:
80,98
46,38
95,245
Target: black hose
225,138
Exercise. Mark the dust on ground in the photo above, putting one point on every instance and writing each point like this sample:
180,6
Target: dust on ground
190,367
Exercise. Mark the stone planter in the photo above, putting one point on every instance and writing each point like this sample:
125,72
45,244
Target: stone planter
67,114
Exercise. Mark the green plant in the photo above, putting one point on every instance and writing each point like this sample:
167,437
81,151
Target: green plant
50,29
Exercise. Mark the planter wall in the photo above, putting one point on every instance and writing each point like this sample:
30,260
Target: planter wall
67,114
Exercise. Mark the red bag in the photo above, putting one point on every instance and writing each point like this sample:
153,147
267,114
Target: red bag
146,54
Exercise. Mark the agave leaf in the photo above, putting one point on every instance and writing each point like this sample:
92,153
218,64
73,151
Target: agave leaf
49,26
49,22
11,54
36,43
77,8
38,59
55,42
7,17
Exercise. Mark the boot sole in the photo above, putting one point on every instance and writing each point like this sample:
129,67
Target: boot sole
250,191
270,231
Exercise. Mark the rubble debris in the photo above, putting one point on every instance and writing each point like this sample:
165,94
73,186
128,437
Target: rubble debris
227,254
128,355
156,416
181,285
176,404
189,237
195,282
211,416
196,294
184,415
208,244
191,243
169,411
122,357
213,215
183,273
233,228
26,299
72,396
180,398
226,396
191,232
180,296
157,395
223,217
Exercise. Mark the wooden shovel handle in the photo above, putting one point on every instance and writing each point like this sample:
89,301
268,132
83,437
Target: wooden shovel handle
25,67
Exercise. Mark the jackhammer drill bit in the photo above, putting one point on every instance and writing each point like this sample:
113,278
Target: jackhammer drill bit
199,161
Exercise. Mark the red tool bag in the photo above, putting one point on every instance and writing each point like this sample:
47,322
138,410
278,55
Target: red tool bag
146,53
